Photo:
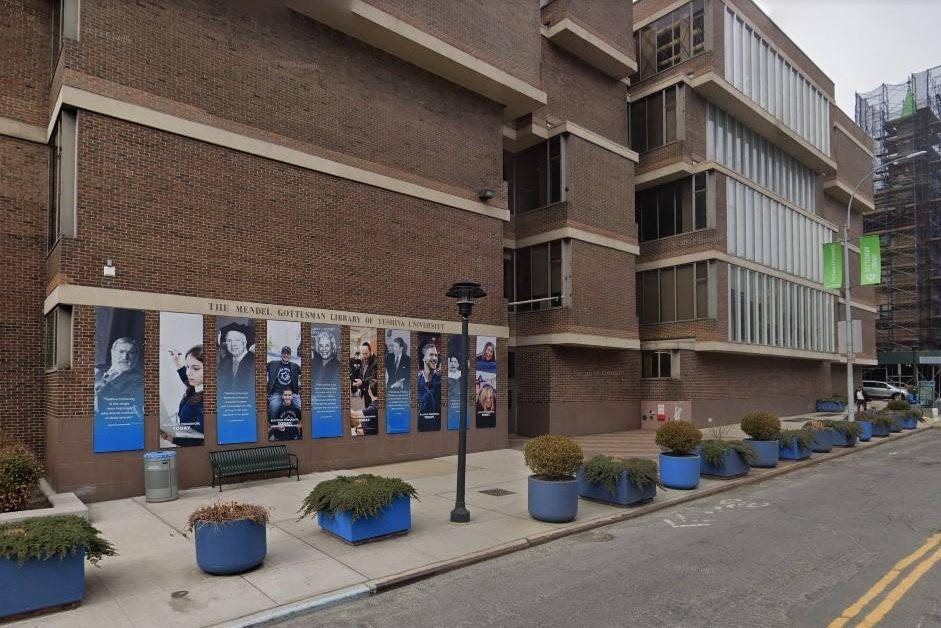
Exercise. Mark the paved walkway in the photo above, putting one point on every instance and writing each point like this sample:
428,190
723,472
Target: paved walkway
155,580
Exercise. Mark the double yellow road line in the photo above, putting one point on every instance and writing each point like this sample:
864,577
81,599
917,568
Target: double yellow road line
892,597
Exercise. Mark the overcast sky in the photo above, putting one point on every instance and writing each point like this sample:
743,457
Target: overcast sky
861,44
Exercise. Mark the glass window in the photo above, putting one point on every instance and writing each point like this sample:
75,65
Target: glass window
684,293
669,115
534,176
671,39
650,308
656,364
524,291
535,272
667,295
702,290
699,194
508,255
672,208
57,338
655,120
639,125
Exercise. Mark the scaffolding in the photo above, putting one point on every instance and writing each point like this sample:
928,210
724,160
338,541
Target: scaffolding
903,119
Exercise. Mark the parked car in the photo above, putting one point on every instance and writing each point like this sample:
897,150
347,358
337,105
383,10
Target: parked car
883,390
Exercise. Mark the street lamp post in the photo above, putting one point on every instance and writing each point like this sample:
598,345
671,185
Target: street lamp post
466,292
848,314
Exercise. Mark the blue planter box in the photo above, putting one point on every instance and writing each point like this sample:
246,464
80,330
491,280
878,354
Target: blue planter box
897,426
625,493
865,430
767,452
733,465
823,441
679,471
909,423
231,547
879,431
38,584
794,451
394,518
555,501
842,441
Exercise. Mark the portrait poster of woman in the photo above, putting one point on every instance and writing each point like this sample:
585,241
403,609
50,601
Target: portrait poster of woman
182,375
486,381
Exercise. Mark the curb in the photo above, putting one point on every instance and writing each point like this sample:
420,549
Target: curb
380,585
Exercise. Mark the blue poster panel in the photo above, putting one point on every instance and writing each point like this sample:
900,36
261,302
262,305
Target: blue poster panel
326,413
182,422
283,380
455,366
398,382
486,394
364,390
119,380
429,382
235,377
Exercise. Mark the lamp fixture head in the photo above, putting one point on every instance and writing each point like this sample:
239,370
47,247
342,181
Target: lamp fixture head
466,291
485,194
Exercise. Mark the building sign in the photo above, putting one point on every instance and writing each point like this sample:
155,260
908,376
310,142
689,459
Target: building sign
486,392
870,260
326,413
119,380
429,382
398,382
833,265
182,375
235,380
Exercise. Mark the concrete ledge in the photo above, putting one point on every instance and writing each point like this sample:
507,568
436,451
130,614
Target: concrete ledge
62,504
590,48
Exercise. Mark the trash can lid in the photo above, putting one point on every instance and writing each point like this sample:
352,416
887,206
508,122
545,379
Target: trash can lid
159,455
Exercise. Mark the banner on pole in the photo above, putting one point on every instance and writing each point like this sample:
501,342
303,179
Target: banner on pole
870,261
833,265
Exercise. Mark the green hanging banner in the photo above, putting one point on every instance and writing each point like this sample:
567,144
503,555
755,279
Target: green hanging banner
870,261
833,265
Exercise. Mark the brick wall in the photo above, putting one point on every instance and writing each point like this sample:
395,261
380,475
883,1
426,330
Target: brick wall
611,20
23,211
26,63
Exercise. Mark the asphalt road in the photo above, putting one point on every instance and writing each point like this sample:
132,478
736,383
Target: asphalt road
792,551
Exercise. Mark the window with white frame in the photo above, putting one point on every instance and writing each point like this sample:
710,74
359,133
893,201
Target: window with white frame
676,293
671,209
653,120
738,148
656,364
537,277
671,39
536,176
764,230
771,311
770,80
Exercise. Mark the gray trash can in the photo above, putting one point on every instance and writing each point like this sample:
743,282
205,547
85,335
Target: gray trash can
160,476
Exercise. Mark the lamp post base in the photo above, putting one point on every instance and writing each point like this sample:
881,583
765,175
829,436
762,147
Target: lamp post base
460,515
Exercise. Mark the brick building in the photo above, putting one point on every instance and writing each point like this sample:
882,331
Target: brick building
343,162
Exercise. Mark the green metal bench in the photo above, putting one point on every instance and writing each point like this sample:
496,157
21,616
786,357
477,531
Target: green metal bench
247,460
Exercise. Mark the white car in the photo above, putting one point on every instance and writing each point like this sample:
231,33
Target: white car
883,390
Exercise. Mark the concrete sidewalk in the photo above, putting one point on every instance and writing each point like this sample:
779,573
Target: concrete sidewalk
155,580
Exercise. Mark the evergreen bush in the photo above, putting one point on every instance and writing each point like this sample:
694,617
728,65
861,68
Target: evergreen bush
884,420
607,471
898,405
43,538
679,438
848,429
20,473
713,450
360,495
224,512
553,457
761,425
805,438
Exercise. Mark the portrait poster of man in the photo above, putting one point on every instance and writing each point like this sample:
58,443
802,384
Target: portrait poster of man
119,380
398,382
486,394
364,391
283,380
182,371
235,380
454,383
326,412
429,382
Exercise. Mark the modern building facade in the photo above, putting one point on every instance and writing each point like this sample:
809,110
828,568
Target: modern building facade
191,189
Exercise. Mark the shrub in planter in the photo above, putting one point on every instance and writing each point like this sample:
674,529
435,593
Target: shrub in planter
763,428
911,419
679,464
725,458
795,444
20,472
823,436
620,481
845,433
41,562
230,537
898,405
864,420
552,489
361,507
882,424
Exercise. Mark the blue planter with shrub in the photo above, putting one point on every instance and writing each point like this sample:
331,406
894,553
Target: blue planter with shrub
679,471
896,423
767,450
840,440
552,493
392,519
230,547
823,440
880,431
790,448
626,490
762,429
38,583
554,501
732,465
909,423
679,465
865,430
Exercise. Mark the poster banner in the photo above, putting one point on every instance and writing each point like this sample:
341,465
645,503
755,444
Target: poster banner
429,382
283,378
454,383
119,380
398,382
182,422
326,413
833,265
486,394
364,393
870,261
235,376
